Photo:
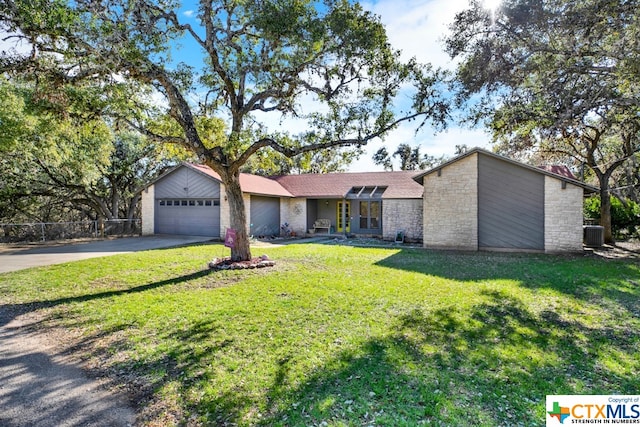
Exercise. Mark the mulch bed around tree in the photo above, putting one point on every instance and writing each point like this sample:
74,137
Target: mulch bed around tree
227,264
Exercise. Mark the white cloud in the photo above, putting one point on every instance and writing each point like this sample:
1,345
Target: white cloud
11,42
189,13
437,145
417,27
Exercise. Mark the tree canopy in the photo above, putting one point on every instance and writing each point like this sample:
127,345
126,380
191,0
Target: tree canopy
555,76
410,158
56,167
261,58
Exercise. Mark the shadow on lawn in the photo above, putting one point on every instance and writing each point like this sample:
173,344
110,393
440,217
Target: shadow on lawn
585,278
10,311
489,364
492,366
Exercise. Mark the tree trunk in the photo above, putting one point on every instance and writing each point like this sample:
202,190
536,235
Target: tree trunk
605,211
115,202
241,250
133,204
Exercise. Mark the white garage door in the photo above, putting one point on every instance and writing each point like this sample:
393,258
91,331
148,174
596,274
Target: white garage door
194,217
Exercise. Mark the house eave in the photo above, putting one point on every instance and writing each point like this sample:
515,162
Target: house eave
477,150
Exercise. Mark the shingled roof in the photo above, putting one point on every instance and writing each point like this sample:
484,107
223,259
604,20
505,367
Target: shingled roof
400,184
252,184
559,170
396,185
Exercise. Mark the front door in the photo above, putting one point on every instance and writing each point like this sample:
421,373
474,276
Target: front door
339,220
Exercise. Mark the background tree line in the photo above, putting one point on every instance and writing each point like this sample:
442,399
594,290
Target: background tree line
555,81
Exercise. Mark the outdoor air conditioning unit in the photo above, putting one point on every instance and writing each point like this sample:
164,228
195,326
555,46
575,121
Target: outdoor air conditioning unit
593,235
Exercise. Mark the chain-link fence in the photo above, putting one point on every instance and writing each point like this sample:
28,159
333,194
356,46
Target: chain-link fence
49,231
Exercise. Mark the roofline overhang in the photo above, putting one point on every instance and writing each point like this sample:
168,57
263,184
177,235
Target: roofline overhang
477,150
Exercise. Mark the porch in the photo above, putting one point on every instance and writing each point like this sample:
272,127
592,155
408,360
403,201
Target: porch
344,216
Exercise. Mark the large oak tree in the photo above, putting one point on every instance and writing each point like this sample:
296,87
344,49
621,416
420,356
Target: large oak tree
71,164
555,76
328,63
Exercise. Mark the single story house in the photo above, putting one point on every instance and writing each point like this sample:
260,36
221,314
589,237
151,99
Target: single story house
478,200
483,201
190,199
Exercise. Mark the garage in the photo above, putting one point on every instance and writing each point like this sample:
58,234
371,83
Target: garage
193,217
265,216
187,202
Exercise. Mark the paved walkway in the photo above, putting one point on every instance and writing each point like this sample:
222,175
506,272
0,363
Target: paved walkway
21,257
40,387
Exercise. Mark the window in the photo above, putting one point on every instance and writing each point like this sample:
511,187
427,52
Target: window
370,215
207,202
374,214
161,202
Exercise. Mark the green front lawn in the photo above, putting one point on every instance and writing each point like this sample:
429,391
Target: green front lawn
338,335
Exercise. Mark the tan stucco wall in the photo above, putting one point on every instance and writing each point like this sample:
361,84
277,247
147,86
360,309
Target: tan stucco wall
148,210
451,206
563,216
294,212
402,215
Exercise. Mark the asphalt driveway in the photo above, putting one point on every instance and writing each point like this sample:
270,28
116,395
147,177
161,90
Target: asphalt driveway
19,258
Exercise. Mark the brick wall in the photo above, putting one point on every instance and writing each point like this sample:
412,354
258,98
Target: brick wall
294,212
451,206
402,214
562,216
148,210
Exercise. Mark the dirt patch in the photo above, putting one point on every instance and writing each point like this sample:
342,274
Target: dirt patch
618,250
40,385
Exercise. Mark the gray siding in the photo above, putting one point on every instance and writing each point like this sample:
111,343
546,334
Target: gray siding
327,210
312,212
186,183
265,216
187,202
510,206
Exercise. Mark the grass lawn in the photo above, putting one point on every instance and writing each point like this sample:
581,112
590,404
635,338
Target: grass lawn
346,336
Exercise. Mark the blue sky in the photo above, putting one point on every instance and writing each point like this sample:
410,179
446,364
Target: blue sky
417,28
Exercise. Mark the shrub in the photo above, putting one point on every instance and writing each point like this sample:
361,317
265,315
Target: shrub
625,217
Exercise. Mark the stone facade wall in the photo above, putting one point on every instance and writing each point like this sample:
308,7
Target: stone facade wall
148,205
451,206
294,212
225,219
563,216
402,214
247,211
